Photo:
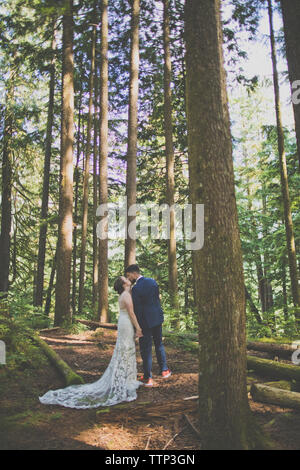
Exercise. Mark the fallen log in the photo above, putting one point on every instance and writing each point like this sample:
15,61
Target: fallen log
50,330
281,350
69,341
273,369
275,396
69,376
94,325
282,385
183,335
150,411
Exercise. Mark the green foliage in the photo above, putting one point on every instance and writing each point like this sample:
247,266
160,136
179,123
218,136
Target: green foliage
21,352
181,340
26,314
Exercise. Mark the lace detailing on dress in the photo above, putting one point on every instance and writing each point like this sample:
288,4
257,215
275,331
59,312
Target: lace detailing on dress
118,383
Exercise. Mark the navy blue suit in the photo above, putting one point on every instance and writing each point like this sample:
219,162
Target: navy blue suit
147,308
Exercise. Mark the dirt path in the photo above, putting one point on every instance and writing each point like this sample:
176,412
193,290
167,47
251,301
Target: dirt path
27,424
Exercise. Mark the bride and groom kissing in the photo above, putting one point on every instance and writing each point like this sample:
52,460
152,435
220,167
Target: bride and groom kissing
140,316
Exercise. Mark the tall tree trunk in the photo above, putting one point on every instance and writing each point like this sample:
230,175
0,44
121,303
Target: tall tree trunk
95,194
14,253
291,22
86,177
51,283
38,298
64,249
284,287
284,175
252,306
257,254
218,267
268,285
80,143
170,162
130,242
103,188
6,186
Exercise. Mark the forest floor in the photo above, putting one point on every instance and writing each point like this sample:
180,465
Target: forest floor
27,424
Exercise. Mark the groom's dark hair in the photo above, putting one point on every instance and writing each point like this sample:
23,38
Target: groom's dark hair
133,268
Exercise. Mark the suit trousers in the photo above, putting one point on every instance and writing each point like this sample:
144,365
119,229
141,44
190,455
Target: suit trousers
146,350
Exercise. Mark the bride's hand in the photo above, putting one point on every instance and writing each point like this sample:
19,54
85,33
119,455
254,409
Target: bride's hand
138,333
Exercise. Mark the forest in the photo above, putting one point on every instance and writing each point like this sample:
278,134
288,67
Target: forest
188,110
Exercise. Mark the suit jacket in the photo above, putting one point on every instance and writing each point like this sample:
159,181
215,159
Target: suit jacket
146,303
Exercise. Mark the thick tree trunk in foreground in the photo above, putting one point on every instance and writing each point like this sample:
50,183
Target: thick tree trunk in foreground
38,299
291,21
218,270
103,189
275,396
130,242
284,175
86,178
170,162
65,226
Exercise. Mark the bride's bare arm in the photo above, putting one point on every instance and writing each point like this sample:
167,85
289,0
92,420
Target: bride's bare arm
129,307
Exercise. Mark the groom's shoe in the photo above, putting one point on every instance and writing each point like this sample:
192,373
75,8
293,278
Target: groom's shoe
166,373
147,382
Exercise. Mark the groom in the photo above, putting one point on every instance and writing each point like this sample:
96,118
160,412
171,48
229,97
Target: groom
147,308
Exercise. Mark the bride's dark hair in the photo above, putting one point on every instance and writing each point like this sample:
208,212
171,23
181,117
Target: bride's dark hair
119,285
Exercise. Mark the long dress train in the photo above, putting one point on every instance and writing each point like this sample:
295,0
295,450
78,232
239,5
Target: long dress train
118,383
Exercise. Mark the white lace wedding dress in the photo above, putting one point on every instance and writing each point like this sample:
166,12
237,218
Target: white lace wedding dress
118,383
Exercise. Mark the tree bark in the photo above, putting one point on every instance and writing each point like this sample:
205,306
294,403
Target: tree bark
15,248
170,163
95,194
284,287
267,281
103,188
252,306
218,268
130,242
291,22
38,298
284,175
65,227
51,283
80,143
86,177
7,156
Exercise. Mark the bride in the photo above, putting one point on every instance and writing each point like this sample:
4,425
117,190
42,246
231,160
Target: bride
119,381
